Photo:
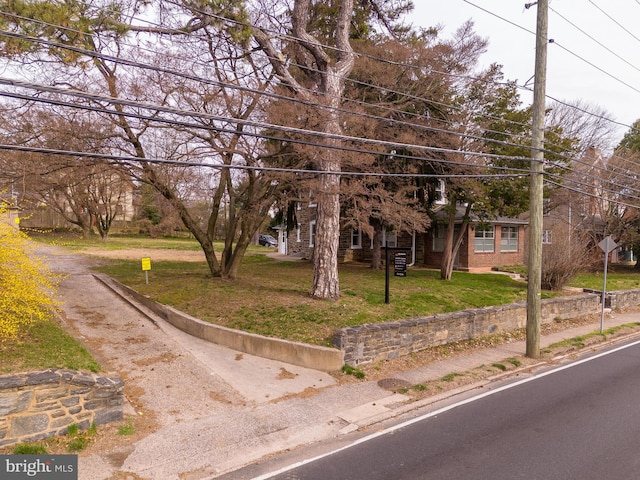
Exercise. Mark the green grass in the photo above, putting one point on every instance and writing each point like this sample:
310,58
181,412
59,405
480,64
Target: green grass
30,449
580,341
619,277
45,345
451,376
127,429
356,372
271,298
74,241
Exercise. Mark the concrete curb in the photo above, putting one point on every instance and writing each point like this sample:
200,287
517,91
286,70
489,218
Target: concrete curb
301,354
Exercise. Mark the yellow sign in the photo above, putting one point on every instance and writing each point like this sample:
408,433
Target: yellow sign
146,264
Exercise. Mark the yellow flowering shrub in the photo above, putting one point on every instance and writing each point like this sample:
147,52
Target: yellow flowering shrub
27,286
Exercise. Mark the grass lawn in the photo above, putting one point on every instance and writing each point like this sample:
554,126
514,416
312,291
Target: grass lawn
619,277
45,345
271,297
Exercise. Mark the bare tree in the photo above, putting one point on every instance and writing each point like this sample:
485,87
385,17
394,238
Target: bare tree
586,122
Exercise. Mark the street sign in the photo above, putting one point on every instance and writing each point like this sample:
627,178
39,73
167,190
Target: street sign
608,245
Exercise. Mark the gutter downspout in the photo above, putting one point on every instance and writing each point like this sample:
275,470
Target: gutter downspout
413,249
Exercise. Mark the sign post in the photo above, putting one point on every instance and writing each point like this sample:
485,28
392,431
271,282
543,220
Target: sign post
607,246
399,266
146,266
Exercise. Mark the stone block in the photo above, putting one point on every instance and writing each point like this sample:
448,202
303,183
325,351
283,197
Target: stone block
70,401
12,381
108,415
62,422
42,378
84,379
51,394
14,402
79,391
29,425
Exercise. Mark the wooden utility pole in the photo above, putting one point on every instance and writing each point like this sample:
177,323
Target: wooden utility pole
536,185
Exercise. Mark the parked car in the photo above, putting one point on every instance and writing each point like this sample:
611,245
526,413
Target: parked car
267,241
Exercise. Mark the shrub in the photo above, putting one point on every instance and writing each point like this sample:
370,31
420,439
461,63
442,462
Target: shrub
27,285
562,260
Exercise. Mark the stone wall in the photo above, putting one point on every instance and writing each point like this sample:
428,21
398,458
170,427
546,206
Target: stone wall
42,404
621,299
375,342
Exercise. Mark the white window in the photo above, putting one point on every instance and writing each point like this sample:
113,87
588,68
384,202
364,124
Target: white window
312,201
356,239
312,233
439,232
298,234
484,239
509,239
546,237
389,239
440,198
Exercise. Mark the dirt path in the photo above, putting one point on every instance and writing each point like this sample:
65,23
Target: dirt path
160,377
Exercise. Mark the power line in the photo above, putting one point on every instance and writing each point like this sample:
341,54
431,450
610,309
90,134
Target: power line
222,166
231,120
614,20
594,39
195,78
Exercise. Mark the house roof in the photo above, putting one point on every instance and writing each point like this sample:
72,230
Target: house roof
441,214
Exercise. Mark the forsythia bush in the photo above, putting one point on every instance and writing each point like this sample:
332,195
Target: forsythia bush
27,286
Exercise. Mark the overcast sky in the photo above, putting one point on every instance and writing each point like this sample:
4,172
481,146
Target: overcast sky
594,57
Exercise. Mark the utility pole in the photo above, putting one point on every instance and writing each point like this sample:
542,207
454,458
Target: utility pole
536,184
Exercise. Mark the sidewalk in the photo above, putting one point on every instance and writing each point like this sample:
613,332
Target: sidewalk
216,410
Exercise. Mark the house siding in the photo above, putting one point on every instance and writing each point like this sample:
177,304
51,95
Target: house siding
470,260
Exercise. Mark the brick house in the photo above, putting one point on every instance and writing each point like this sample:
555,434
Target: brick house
491,243
355,245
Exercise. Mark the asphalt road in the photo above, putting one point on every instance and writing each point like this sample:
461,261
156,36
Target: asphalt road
579,421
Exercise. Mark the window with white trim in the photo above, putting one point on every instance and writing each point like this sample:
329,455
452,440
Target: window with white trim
298,234
312,233
389,239
440,198
509,239
439,233
546,237
484,239
356,239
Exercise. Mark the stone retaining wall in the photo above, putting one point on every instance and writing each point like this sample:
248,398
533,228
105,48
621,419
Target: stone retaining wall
42,404
374,342
621,299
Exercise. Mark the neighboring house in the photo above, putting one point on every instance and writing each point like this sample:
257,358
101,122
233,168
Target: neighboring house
571,216
487,244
